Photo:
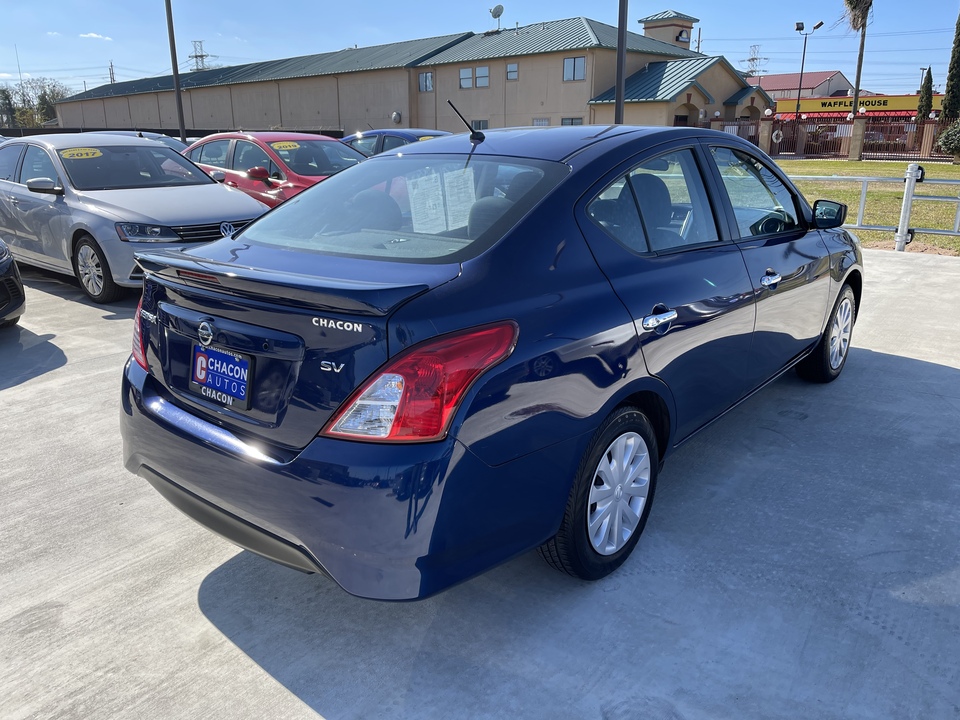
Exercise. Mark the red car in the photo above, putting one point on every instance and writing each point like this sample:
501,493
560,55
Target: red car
272,166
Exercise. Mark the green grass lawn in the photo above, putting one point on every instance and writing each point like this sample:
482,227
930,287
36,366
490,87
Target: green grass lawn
884,199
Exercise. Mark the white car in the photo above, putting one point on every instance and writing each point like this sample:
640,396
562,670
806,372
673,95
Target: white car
83,204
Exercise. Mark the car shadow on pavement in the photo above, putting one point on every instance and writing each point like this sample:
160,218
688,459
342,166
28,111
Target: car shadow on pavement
803,555
25,355
68,288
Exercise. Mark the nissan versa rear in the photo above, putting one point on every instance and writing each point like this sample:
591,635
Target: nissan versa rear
447,356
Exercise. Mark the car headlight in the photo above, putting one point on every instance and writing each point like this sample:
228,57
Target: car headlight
137,232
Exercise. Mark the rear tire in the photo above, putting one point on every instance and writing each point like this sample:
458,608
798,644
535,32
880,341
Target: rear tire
91,268
610,499
826,361
9,323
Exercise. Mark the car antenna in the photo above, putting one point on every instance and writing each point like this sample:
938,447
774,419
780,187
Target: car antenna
476,137
370,126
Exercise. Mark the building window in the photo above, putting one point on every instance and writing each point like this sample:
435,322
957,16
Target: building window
572,121
541,122
480,124
483,76
466,78
574,68
426,82
513,71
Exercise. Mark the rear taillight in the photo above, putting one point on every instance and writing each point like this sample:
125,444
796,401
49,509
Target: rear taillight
414,397
138,351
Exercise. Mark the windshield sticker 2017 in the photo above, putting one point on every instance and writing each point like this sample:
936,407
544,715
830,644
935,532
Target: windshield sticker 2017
80,153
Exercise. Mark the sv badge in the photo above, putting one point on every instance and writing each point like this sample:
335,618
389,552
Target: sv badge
329,366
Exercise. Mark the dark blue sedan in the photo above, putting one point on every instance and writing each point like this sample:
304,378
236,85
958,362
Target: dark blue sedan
435,361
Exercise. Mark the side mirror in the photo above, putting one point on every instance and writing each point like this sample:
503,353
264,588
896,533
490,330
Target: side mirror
44,185
828,214
218,175
258,173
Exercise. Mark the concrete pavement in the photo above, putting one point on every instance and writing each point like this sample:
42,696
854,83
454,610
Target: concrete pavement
802,560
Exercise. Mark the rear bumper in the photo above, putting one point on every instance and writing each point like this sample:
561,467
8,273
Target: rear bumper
389,522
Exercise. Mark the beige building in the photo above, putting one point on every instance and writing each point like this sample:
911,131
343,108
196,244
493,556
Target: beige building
550,73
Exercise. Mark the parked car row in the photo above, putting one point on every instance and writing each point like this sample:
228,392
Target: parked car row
83,204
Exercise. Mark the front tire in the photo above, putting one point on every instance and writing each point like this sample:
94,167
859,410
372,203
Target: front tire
610,499
826,361
93,272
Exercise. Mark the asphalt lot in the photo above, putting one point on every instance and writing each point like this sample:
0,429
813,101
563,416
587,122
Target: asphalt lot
802,560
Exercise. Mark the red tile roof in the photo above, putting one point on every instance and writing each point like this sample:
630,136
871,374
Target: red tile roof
789,81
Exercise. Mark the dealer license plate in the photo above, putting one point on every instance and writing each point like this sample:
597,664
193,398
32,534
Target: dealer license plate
221,377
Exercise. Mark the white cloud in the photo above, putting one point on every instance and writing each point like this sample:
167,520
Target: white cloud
96,36
4,76
53,33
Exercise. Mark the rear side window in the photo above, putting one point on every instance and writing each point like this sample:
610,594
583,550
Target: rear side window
212,153
660,205
413,208
761,203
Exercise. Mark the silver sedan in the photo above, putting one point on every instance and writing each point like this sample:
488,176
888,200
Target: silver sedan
83,204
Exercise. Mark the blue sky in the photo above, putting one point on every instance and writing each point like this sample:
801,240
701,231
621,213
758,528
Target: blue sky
75,41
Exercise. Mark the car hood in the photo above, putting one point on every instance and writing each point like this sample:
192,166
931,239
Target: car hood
174,206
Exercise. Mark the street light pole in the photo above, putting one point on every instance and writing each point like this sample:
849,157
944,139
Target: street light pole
803,59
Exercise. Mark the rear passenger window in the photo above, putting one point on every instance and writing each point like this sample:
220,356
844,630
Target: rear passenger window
660,205
761,203
213,153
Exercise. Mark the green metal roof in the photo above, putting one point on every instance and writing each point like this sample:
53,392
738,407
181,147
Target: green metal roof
661,81
668,15
379,57
743,93
553,36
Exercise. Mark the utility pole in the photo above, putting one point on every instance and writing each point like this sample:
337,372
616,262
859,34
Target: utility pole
621,64
176,72
113,78
199,57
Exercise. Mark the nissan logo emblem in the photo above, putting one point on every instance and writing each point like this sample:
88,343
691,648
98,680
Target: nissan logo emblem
205,333
226,229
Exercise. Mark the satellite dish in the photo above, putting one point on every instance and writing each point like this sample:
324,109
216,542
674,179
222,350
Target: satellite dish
497,11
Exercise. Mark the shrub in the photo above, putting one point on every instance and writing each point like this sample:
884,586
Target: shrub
949,140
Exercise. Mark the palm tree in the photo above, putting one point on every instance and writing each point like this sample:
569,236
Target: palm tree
857,13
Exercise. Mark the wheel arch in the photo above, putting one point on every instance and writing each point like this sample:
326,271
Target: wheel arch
855,280
654,399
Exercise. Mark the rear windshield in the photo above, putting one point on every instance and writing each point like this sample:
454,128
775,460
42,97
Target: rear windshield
414,208
115,166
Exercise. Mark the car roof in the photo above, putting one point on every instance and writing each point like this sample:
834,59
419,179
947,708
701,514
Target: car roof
402,132
57,141
266,136
551,143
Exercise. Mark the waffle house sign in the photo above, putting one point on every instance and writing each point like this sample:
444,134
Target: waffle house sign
874,104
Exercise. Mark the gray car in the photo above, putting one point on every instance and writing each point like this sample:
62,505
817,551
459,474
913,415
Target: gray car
84,204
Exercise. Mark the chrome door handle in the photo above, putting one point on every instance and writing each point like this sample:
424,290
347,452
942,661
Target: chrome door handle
770,280
13,199
230,183
652,322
